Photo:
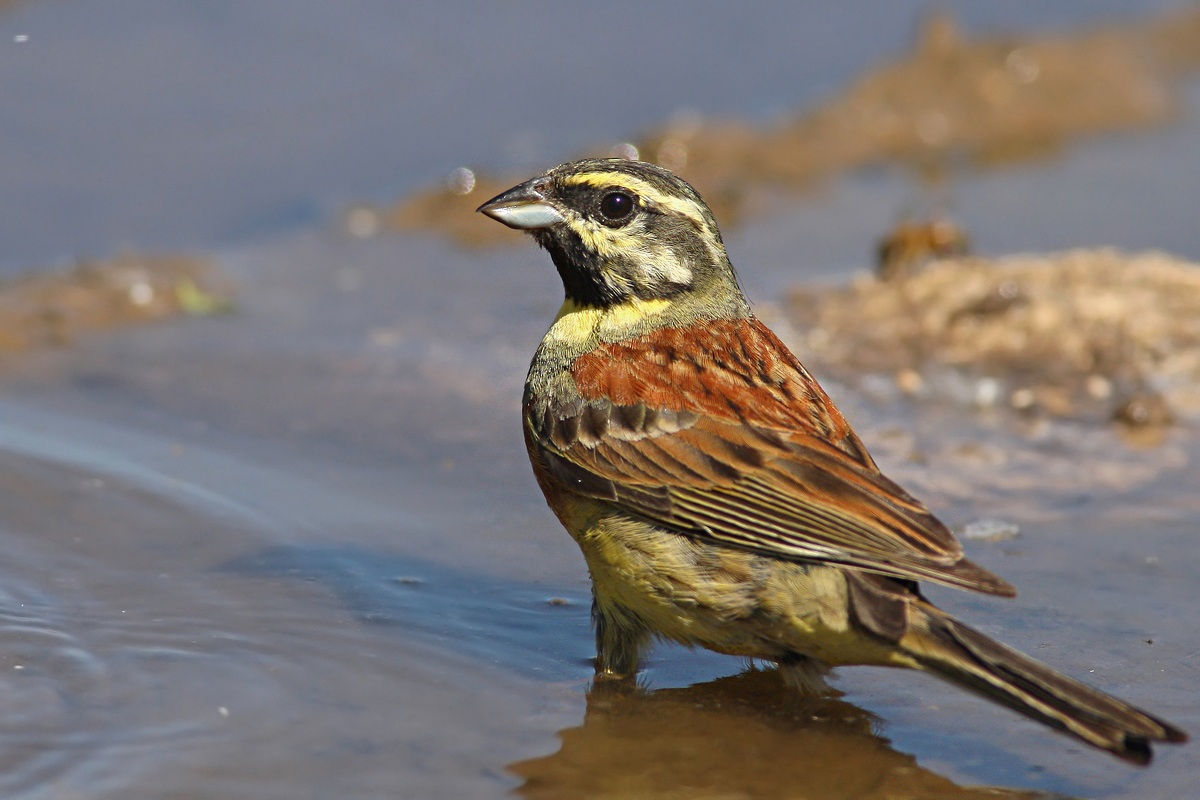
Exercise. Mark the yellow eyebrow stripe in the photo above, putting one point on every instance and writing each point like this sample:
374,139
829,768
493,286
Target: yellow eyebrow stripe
677,205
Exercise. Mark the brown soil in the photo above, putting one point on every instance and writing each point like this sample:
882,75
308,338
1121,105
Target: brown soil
52,308
1086,333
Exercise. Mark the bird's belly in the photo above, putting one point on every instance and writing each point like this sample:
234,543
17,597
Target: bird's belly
716,597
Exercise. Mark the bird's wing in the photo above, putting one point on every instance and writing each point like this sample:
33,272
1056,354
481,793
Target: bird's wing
736,444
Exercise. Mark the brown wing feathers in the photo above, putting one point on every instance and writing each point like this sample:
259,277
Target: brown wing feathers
730,445
742,372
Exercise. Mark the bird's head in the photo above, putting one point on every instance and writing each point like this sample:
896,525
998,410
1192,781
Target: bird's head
625,232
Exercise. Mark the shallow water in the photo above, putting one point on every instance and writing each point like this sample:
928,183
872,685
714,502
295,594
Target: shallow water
296,551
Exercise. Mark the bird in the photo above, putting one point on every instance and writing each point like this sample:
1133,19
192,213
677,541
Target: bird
719,497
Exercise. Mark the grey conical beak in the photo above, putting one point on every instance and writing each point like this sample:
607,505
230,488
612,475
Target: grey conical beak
523,207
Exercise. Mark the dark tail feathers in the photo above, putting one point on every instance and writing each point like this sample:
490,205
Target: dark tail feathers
948,648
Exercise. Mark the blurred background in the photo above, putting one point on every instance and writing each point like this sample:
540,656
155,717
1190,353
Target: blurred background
268,525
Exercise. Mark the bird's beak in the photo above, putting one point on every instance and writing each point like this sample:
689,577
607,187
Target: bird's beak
523,207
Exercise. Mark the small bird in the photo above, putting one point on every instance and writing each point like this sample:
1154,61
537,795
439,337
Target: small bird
719,497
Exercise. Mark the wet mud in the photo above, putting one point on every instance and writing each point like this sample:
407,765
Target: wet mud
49,308
1086,334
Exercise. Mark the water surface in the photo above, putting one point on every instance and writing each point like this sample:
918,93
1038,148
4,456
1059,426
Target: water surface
296,551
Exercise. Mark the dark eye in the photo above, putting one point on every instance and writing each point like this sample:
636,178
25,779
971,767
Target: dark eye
617,206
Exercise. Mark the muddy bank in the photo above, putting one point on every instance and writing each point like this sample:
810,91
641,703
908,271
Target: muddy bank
1086,334
953,102
53,308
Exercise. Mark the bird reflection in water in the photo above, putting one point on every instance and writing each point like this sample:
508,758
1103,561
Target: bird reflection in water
742,736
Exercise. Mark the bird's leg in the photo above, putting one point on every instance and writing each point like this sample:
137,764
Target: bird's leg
804,674
619,642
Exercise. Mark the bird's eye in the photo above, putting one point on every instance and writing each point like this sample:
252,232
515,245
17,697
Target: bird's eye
617,207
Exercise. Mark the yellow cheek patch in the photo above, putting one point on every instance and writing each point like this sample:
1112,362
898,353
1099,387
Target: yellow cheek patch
631,244
605,242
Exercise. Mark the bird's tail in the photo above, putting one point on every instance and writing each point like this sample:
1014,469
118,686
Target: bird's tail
950,649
